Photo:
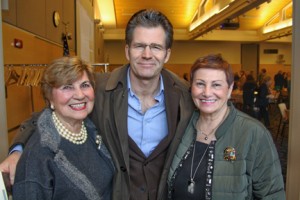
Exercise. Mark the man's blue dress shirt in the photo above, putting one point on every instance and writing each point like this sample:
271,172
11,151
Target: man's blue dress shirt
149,128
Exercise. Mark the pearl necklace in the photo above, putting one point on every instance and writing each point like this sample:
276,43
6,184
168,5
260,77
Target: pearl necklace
75,138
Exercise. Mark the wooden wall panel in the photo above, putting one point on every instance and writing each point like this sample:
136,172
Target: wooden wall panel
31,16
18,105
54,33
10,15
37,17
34,50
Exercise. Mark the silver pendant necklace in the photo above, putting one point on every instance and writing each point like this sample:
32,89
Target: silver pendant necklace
191,182
211,132
199,131
206,135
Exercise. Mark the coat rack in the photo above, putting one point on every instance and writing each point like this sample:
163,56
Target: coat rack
105,65
28,75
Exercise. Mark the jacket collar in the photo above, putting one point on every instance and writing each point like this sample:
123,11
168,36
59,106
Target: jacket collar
118,76
51,139
221,130
49,134
117,84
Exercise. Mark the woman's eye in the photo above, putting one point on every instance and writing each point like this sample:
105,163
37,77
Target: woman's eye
67,87
216,85
200,84
86,85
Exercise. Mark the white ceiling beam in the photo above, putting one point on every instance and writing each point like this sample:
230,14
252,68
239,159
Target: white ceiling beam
222,14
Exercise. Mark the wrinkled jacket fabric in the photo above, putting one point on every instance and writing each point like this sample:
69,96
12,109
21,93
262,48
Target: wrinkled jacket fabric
256,172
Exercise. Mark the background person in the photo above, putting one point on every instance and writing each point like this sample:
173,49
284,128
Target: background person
278,81
249,88
261,75
263,97
224,153
140,109
242,79
236,78
54,164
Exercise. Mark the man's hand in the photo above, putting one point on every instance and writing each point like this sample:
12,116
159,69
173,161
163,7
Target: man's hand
9,165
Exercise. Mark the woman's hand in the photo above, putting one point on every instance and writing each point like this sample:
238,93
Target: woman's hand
9,165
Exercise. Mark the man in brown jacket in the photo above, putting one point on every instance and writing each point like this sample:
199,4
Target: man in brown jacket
141,111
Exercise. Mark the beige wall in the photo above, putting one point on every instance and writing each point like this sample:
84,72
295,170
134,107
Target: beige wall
187,52
184,54
283,48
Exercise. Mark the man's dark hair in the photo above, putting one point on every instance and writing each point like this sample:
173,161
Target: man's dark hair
149,18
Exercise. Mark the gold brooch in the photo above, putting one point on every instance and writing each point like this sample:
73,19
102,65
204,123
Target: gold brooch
229,154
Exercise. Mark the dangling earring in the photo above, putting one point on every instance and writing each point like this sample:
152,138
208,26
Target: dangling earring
52,107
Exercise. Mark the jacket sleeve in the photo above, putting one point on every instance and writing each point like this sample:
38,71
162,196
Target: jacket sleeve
27,128
32,174
267,174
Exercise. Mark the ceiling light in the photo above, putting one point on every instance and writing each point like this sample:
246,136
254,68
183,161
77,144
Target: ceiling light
277,26
283,23
107,13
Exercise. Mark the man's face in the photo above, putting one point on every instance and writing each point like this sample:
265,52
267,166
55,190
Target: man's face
147,53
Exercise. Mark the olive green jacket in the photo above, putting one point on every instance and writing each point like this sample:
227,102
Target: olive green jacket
256,172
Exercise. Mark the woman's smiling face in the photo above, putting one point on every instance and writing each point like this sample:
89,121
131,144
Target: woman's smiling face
210,90
73,102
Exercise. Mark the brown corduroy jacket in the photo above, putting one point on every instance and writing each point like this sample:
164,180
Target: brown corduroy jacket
138,177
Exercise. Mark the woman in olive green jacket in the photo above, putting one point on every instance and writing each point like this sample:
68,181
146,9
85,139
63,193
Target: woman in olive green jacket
256,162
224,154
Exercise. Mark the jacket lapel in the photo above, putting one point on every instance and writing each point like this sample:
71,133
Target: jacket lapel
172,99
120,113
118,83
